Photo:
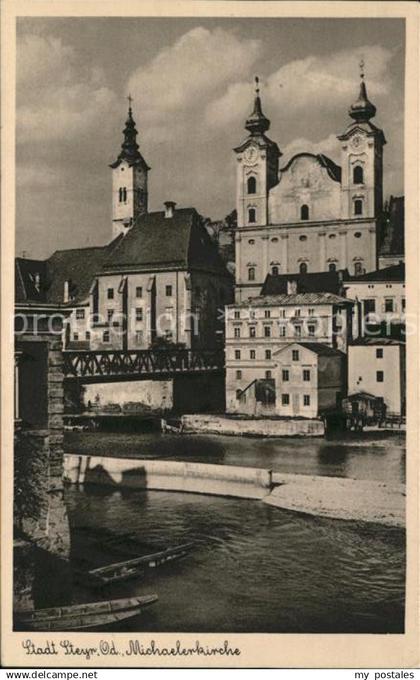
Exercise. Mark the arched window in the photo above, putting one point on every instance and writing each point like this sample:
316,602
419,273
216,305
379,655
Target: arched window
358,174
358,207
332,267
122,194
304,212
252,185
275,271
303,268
358,268
251,274
252,215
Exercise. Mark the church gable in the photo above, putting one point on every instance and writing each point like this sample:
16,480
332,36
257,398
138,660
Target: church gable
309,189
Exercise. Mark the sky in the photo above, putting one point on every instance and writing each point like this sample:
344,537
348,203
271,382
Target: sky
192,86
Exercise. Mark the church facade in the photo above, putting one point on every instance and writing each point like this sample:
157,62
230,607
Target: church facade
310,215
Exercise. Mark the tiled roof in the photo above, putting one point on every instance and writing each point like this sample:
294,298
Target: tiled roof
177,242
295,299
316,347
316,282
394,273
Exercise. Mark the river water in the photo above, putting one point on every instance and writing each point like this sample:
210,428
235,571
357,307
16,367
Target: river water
254,568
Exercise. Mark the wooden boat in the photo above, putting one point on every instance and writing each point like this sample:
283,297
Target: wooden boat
82,616
121,571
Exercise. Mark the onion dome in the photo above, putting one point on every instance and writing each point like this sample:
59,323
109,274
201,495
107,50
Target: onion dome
362,110
257,123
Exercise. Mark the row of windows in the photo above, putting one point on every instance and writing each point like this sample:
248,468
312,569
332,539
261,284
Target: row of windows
110,293
285,398
304,211
267,313
389,305
303,269
303,237
358,178
285,376
297,331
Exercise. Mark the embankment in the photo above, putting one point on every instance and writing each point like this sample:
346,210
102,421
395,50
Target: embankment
334,497
257,427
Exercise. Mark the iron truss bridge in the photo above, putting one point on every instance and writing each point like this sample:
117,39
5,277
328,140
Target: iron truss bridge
117,365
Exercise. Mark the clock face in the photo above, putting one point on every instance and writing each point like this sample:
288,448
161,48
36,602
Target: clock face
356,142
251,154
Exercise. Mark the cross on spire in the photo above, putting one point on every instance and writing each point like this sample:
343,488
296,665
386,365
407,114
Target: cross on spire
362,68
257,85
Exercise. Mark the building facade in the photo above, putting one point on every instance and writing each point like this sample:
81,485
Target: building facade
310,215
377,366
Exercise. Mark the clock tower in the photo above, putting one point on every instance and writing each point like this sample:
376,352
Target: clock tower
257,168
129,181
362,160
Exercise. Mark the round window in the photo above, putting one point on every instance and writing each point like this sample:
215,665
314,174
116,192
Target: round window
358,234
251,241
331,236
274,240
303,238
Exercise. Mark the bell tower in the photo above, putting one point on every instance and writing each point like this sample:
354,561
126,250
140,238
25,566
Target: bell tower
257,168
129,180
362,160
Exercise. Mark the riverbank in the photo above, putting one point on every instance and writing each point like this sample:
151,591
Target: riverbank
252,427
348,499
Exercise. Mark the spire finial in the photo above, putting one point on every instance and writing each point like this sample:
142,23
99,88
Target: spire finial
257,123
362,68
362,110
257,85
130,101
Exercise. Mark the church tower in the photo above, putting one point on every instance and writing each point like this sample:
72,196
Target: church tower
129,181
257,168
362,160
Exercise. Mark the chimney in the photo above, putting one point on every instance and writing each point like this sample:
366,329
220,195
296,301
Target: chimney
66,291
169,209
291,287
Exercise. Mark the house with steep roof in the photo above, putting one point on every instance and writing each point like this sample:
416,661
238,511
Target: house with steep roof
309,215
160,277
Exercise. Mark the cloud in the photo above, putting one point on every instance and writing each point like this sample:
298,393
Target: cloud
36,175
314,85
186,75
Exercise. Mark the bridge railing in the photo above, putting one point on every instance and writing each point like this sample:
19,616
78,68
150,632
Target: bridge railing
107,363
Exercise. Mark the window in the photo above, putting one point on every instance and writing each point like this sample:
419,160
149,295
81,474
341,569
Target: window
109,314
105,336
139,291
298,331
139,314
251,274
358,269
268,353
237,314
306,400
311,330
75,336
379,376
252,314
238,375
369,305
332,267
389,304
252,215
283,313
267,313
122,195
237,332
303,238
282,330
304,212
251,185
380,353
110,294
358,206
358,234
311,311
87,335
80,313
237,353
285,375
306,374
403,304
332,236
139,337
267,331
303,268
275,271
297,312
252,331
274,240
295,354
252,354
357,175
168,291
251,241
267,375
285,400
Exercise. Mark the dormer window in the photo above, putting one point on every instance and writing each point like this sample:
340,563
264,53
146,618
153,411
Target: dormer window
252,215
252,185
358,206
275,271
358,174
304,212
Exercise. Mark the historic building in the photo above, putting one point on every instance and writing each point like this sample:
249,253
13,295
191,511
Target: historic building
161,276
310,215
